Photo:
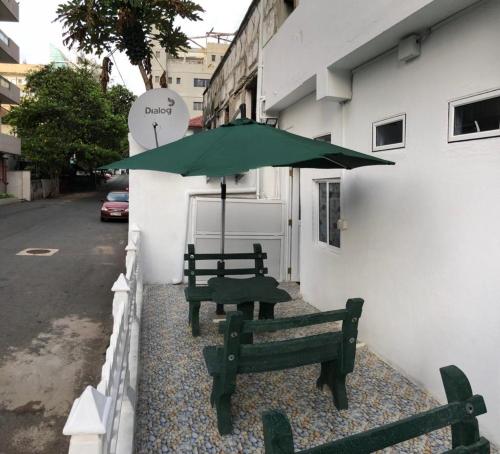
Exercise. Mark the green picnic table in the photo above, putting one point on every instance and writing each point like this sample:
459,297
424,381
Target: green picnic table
245,292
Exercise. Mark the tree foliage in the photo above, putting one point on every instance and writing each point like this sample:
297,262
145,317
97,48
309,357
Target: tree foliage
65,119
131,26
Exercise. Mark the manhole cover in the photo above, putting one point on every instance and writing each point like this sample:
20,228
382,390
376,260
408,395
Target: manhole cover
38,251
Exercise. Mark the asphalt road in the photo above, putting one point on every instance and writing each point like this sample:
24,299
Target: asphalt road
55,317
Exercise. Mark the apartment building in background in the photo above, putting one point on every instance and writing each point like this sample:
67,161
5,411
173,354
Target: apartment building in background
10,146
189,73
16,74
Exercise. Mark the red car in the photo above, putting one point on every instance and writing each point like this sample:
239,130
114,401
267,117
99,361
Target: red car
115,206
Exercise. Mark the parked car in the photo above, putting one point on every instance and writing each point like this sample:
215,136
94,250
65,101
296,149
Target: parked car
115,206
108,176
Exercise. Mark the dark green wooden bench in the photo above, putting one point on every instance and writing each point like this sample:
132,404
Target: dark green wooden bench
196,293
335,351
460,413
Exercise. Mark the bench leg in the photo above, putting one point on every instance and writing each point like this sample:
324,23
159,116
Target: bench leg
266,311
247,309
331,377
194,317
223,407
219,310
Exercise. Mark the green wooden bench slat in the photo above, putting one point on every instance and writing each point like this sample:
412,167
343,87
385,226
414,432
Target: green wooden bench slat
289,360
460,413
406,429
282,347
335,351
299,321
235,256
225,272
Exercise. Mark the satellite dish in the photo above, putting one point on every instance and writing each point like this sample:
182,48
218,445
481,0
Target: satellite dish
158,117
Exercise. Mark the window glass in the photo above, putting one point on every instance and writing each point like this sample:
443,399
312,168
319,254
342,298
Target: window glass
333,213
329,213
389,134
178,81
322,213
477,117
200,82
117,197
197,105
169,80
213,57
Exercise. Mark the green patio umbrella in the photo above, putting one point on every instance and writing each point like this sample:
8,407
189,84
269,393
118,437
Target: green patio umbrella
239,146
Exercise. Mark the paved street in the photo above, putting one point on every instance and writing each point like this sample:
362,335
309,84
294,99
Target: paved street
55,313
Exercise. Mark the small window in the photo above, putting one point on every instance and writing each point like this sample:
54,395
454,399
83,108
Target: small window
200,82
475,117
197,105
390,133
213,57
329,212
157,78
178,80
169,80
158,53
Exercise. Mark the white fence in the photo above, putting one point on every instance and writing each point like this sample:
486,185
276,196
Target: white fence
102,420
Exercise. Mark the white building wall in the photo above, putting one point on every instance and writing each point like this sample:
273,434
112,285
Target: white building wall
422,245
339,35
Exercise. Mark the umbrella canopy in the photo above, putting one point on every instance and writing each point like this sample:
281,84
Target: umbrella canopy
243,145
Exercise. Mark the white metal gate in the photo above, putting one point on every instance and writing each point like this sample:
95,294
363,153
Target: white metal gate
248,221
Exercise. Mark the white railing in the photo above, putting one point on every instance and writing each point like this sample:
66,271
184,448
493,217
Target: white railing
102,420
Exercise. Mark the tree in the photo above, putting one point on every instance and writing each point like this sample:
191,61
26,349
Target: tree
131,26
65,119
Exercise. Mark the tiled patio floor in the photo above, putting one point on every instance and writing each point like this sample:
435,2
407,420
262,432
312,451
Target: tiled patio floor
174,413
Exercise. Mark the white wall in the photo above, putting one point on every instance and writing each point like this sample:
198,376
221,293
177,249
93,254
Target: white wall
423,241
19,184
339,34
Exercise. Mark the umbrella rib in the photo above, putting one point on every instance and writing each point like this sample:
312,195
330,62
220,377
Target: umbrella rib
335,162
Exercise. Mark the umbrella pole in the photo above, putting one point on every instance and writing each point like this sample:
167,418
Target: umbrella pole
223,215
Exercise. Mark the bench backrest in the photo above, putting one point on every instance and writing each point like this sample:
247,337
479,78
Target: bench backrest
460,413
221,270
247,358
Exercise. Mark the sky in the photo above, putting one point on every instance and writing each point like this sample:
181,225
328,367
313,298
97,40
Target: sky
36,30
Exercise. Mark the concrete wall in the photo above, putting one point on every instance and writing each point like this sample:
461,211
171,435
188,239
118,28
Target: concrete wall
19,184
422,242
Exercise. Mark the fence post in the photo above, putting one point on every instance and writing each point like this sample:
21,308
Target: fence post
87,422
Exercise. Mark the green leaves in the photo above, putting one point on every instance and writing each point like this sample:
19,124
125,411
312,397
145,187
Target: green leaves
64,115
98,26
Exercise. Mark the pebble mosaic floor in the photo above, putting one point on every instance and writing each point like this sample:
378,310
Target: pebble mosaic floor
174,413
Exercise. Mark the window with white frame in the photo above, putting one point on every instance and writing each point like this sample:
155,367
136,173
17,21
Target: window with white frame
389,134
474,117
197,105
328,212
